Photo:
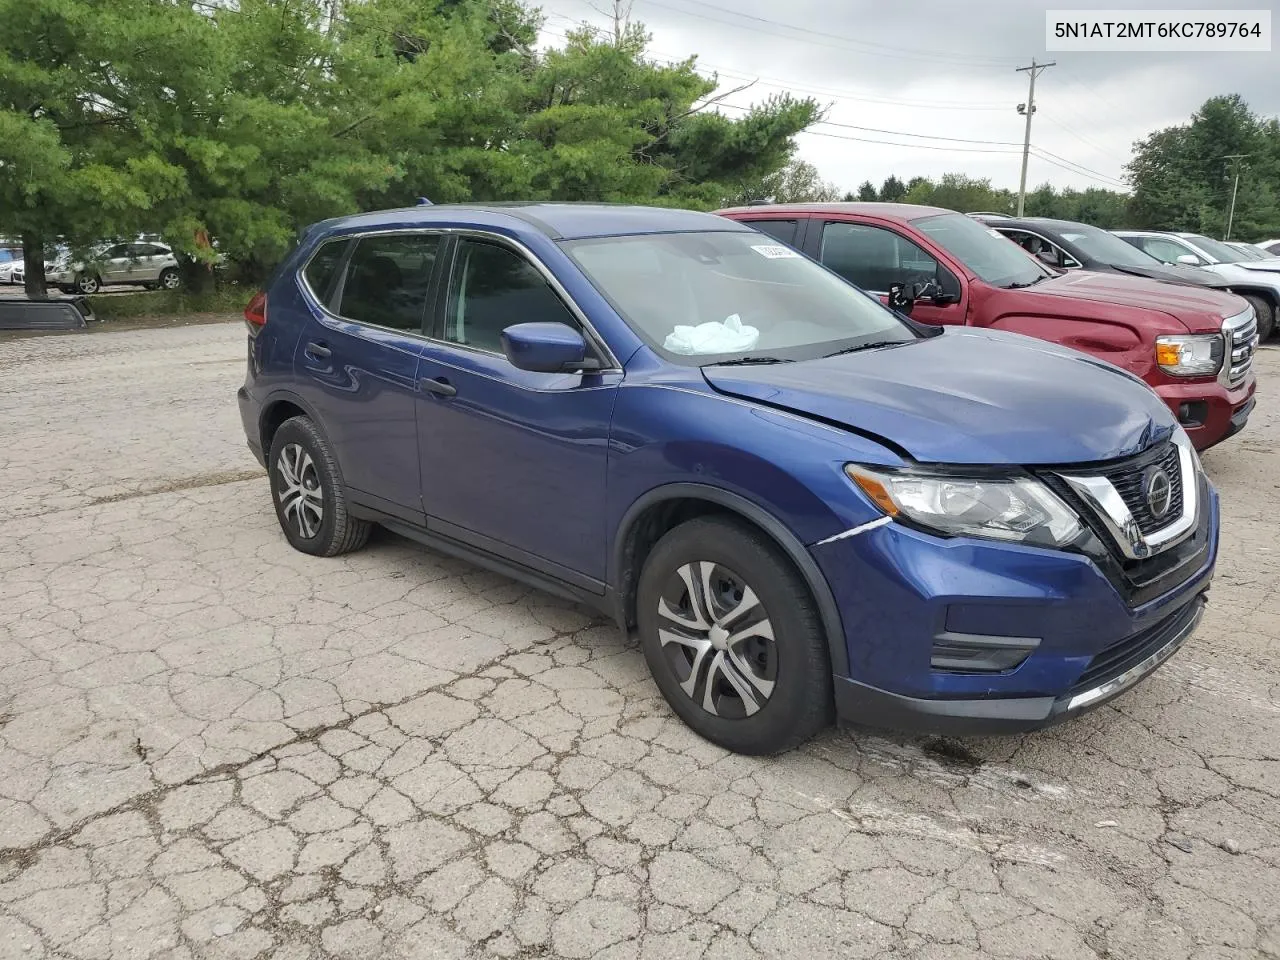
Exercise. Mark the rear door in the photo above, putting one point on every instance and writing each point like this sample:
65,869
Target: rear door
513,461
875,256
357,360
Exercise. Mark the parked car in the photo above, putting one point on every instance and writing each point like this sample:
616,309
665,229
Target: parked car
1251,251
146,264
9,256
1258,281
1271,246
1066,245
1194,346
806,504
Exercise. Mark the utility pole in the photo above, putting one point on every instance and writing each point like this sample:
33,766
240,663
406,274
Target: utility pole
1235,159
1029,108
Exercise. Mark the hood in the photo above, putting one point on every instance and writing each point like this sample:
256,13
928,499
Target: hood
967,397
1169,273
1269,265
1198,309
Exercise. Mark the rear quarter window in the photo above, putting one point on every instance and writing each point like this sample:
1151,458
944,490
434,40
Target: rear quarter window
322,268
784,230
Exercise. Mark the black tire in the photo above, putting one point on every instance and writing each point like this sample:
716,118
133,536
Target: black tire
336,530
170,279
88,284
797,663
1265,313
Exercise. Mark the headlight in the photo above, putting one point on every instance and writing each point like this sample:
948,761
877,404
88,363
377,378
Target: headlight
1190,355
1019,510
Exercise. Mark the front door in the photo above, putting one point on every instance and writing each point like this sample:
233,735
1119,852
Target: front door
513,461
875,257
358,361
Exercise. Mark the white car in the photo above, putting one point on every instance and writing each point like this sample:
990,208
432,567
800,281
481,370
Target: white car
1258,281
146,264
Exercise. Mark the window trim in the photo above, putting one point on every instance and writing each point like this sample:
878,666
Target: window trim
1043,239
609,362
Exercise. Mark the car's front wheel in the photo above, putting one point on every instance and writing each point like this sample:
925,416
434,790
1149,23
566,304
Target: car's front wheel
88,283
733,638
306,487
1265,314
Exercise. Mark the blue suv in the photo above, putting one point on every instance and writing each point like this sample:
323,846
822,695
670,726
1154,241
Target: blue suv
807,506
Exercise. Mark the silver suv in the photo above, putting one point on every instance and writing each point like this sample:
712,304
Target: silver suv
143,263
1258,281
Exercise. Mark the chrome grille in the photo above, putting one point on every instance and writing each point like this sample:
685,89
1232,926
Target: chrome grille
1128,481
1241,335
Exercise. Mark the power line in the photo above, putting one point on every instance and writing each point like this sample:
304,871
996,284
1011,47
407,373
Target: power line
843,46
825,34
1085,140
1067,166
1095,174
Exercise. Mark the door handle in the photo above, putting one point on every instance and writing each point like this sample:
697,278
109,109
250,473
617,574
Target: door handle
318,350
441,387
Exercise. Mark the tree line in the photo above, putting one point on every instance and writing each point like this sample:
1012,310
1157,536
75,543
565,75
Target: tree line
1180,179
226,126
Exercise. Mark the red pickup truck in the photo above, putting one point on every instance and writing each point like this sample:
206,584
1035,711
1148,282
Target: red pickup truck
1194,346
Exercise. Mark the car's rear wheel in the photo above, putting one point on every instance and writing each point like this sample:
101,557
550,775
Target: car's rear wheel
169,279
306,487
88,283
732,637
1265,313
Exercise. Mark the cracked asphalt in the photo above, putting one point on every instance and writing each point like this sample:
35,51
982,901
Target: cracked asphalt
213,746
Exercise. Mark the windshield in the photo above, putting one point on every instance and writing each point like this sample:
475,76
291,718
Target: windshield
994,258
1219,251
1250,252
702,298
1107,247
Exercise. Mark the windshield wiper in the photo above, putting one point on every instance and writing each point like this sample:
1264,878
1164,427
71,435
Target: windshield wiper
746,361
1029,283
876,345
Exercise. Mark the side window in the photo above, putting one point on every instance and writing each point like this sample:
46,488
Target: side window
784,230
494,288
322,267
144,250
873,257
388,278
116,251
1162,249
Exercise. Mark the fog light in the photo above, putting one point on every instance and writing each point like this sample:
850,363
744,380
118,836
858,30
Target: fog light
976,653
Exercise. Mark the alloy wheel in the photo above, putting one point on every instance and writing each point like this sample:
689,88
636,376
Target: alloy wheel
87,284
170,280
301,497
718,640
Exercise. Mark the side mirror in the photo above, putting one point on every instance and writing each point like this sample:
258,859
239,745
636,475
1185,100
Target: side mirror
1189,259
901,297
546,348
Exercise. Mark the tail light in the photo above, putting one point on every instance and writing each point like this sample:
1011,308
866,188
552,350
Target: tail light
255,314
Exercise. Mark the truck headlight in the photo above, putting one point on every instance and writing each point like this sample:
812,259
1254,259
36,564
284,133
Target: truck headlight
1190,355
1020,510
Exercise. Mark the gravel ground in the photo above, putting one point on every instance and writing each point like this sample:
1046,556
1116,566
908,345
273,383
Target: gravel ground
213,746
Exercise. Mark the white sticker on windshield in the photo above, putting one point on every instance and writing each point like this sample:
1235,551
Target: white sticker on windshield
775,251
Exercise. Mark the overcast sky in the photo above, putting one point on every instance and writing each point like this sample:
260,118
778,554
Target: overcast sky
946,70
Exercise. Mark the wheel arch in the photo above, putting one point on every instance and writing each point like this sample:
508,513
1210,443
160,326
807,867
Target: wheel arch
278,408
663,508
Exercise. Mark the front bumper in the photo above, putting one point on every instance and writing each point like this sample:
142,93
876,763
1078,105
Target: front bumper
907,599
1210,412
